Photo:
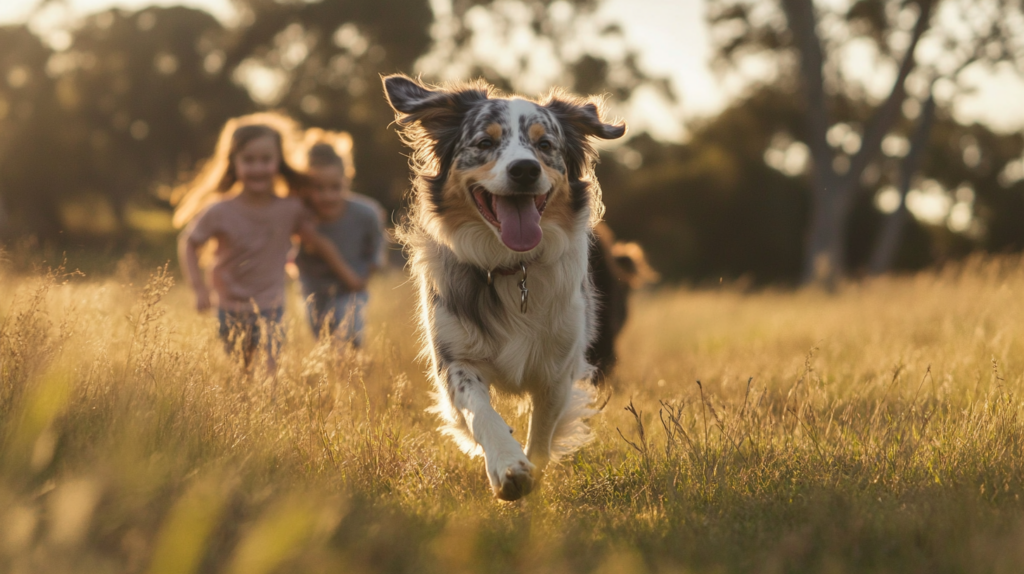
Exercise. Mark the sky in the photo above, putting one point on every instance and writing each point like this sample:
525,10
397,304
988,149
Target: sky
672,38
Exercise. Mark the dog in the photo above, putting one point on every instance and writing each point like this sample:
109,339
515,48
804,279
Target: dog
501,214
616,269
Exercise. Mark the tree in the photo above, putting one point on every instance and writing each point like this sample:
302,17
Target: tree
711,208
325,60
328,56
135,102
137,99
147,96
28,107
128,104
529,46
808,41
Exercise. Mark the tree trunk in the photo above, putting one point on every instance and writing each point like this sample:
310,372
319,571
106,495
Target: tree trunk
825,253
833,193
822,255
4,226
884,254
42,219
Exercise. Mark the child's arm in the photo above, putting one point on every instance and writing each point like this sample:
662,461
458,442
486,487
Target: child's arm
377,241
188,258
326,250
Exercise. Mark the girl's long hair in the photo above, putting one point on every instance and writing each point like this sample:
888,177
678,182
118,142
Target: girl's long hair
218,176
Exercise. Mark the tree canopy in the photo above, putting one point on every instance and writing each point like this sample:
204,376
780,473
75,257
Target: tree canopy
812,159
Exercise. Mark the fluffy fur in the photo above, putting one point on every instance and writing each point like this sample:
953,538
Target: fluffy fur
616,268
477,158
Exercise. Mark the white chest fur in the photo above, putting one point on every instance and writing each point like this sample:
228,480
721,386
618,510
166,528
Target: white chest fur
549,339
517,350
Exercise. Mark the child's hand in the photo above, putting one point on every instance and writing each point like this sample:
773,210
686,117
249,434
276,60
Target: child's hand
326,250
203,301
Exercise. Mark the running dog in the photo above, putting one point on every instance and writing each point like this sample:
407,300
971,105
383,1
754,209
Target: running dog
503,205
616,269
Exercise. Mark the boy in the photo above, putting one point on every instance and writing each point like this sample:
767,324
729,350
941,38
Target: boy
354,223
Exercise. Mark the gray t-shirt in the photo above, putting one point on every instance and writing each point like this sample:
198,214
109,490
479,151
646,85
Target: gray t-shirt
359,236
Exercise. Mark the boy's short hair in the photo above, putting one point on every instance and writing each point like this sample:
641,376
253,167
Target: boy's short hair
323,155
326,148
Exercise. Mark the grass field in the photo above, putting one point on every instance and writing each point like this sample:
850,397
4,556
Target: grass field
876,430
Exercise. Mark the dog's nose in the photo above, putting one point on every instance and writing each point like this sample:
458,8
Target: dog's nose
524,172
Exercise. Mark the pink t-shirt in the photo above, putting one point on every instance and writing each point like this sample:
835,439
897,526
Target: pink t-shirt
253,242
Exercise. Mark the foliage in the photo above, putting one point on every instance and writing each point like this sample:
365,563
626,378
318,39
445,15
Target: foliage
820,437
537,44
94,135
927,44
733,201
713,207
97,133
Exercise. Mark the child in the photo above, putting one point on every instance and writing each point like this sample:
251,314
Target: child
253,228
354,224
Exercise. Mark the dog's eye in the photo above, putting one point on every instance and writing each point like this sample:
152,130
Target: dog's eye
486,143
544,145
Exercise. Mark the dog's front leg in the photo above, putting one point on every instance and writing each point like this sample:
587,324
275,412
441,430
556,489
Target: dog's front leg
508,469
548,406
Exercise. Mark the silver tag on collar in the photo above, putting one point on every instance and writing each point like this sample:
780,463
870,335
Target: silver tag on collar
523,290
524,296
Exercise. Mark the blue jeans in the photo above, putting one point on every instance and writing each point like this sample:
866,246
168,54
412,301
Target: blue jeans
347,311
243,331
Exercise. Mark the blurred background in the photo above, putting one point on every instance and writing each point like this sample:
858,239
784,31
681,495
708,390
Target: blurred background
771,142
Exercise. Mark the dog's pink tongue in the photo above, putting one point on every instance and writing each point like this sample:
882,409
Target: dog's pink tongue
520,222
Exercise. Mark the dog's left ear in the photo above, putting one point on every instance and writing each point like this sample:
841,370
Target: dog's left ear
585,119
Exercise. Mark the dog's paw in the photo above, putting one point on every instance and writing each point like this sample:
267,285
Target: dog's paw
513,481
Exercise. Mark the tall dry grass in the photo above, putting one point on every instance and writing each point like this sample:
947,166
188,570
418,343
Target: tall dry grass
878,430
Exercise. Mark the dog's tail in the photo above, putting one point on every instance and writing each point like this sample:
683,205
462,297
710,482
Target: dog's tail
572,432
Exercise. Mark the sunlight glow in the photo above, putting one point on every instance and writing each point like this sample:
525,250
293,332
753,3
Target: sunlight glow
266,85
995,98
21,10
1012,173
929,203
787,155
960,217
895,145
672,37
888,199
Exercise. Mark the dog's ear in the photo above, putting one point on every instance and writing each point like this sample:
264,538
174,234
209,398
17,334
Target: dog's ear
435,110
584,119
405,95
580,119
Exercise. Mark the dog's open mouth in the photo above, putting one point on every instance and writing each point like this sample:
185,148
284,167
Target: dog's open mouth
517,217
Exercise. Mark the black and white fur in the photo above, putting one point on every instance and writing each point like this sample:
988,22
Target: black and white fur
475,152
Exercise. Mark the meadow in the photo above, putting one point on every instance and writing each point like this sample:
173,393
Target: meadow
877,429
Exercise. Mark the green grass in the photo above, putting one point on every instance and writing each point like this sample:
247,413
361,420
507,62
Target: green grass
877,430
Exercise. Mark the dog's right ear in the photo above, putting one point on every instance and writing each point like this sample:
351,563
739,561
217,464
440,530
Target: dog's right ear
405,95
434,110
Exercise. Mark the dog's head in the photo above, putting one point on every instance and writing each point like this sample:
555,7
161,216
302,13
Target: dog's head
504,164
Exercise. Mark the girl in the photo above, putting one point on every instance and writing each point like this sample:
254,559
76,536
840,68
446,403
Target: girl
354,223
252,221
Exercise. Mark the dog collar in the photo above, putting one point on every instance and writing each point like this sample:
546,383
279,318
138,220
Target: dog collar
506,271
524,292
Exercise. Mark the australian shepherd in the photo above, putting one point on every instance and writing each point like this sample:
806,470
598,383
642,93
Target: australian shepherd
504,202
